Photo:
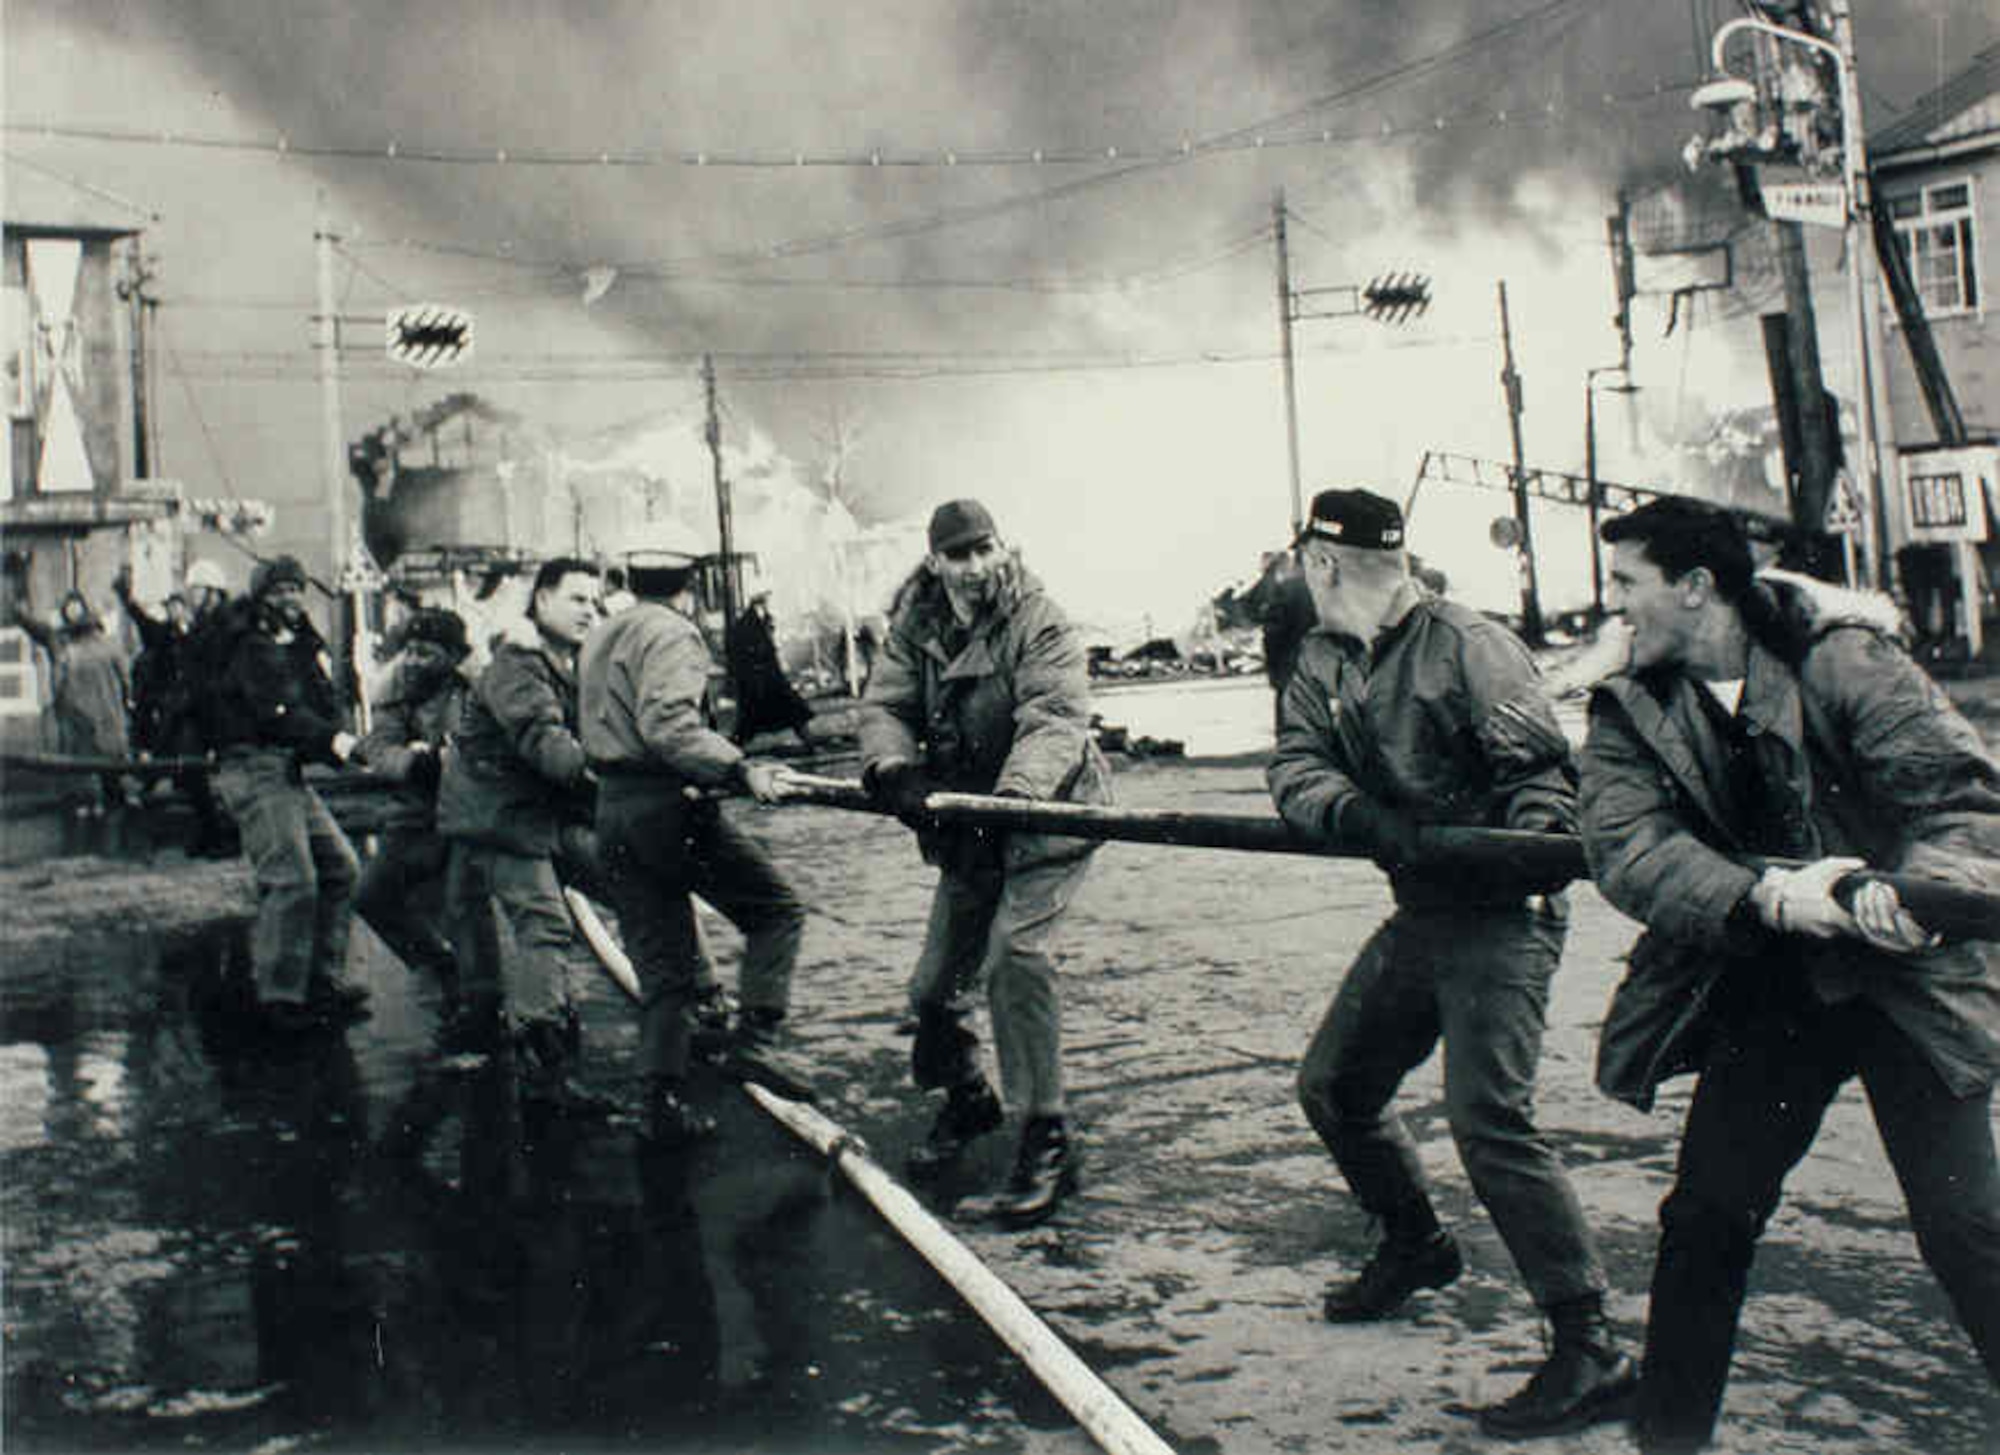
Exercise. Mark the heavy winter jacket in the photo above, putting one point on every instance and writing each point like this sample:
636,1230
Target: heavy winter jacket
405,716
1000,706
646,708
515,773
1858,753
1443,719
268,692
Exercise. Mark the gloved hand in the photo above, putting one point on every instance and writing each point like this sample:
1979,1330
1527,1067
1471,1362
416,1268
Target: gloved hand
1387,835
902,788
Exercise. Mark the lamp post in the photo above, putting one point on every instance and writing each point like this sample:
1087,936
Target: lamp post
1857,234
1593,493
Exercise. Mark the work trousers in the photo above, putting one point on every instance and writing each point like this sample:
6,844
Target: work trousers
407,863
659,848
1778,1058
534,981
1477,979
305,872
992,927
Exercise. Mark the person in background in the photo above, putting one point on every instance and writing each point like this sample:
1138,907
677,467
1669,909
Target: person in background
1781,717
1282,607
91,692
1404,711
269,710
164,687
413,720
765,699
648,726
515,788
982,685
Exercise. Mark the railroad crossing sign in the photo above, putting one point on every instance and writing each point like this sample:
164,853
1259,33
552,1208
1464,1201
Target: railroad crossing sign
429,336
1843,507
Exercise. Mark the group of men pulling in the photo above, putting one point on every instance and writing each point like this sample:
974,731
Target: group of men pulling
1768,737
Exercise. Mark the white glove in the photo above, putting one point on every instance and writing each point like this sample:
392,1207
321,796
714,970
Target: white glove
1801,902
344,744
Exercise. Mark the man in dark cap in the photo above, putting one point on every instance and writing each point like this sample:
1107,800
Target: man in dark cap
270,710
766,701
415,717
981,686
1773,715
649,731
1407,711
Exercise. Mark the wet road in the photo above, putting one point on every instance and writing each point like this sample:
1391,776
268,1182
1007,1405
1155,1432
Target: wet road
356,1245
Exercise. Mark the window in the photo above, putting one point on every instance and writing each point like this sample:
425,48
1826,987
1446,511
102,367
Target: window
1934,226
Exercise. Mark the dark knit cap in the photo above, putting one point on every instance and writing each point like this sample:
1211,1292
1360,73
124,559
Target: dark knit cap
276,571
959,523
443,628
1358,518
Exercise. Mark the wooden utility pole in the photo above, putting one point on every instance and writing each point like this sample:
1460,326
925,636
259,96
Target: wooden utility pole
725,527
1285,351
333,465
1510,382
133,291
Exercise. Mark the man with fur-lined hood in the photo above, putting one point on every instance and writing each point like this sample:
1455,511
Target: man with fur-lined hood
1768,717
981,687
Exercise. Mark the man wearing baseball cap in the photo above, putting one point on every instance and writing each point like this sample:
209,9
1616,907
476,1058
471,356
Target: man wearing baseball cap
981,686
1408,711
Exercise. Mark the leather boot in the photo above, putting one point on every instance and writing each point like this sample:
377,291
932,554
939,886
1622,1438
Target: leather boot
754,1056
1583,1381
1399,1267
970,1110
547,1066
1046,1168
670,1122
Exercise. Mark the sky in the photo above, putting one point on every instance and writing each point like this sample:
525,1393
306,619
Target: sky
1015,249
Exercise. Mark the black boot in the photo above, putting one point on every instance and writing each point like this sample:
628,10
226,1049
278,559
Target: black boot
1400,1267
754,1056
970,1110
1045,1168
1583,1381
670,1121
547,1064
710,1014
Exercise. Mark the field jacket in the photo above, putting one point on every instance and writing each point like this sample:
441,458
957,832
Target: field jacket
1444,719
1861,754
403,718
1000,707
646,708
272,693
515,772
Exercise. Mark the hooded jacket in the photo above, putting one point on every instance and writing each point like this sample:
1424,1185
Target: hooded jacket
1860,753
514,773
414,712
999,706
91,683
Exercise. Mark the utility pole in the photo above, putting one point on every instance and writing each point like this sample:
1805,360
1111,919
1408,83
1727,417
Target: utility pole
1510,382
133,291
1860,251
725,528
1285,351
333,459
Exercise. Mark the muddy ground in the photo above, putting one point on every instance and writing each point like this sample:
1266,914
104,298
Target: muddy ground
1189,1270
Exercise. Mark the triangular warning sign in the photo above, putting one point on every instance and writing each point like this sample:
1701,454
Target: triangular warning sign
1843,506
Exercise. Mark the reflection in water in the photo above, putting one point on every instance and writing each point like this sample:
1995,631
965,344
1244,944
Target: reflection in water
215,1241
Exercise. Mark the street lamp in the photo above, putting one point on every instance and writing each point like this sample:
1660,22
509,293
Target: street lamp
1593,493
1726,93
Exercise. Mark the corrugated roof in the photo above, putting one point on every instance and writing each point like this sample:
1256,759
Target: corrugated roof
1929,119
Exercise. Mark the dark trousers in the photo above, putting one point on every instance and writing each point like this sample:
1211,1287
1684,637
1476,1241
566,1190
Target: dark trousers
660,847
305,872
1778,1059
1479,981
400,897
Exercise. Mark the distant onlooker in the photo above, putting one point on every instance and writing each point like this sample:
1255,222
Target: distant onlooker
765,700
1280,604
91,689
